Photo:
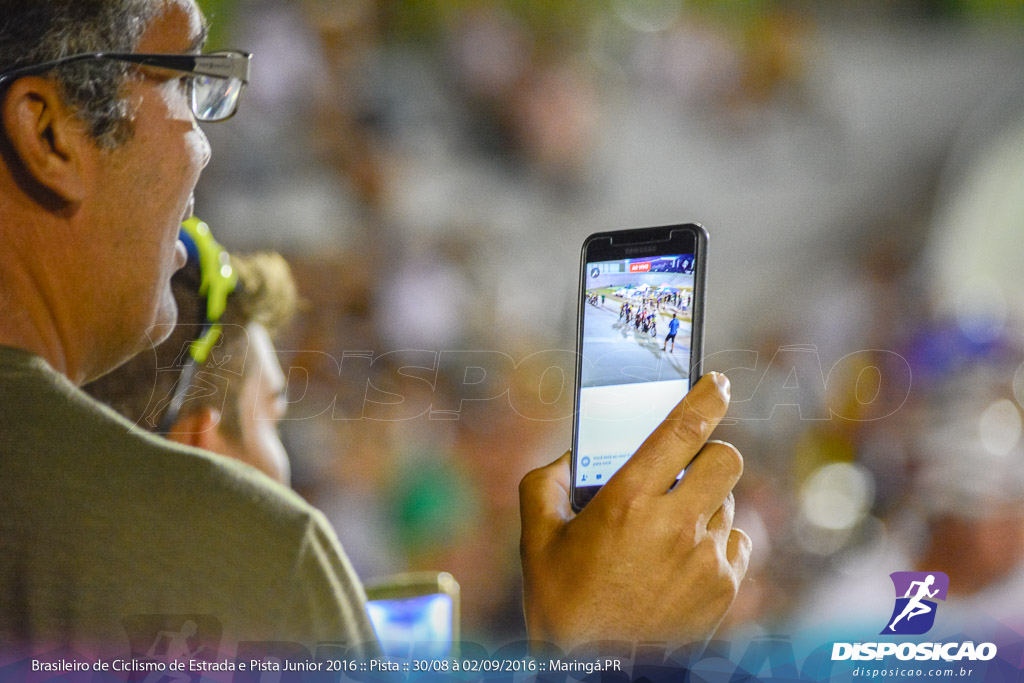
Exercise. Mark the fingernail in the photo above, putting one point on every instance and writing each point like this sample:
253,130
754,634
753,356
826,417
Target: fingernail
724,387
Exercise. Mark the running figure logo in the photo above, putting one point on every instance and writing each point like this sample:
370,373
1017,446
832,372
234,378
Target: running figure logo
916,592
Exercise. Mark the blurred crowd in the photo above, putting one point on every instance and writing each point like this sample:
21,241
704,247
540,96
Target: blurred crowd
430,169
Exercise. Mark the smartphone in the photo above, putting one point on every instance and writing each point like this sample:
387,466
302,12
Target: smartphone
415,614
640,337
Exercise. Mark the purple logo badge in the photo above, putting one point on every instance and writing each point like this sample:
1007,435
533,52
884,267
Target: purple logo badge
916,593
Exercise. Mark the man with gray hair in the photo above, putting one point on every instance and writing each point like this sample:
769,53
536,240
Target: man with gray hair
99,522
102,525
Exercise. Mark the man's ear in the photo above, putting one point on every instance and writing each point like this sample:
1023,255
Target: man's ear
198,428
51,146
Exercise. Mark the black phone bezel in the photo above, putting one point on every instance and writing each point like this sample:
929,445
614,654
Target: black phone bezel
683,238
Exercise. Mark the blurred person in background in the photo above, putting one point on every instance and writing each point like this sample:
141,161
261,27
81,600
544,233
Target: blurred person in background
963,513
235,401
944,474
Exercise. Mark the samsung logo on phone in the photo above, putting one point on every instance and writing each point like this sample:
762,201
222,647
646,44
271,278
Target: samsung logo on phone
631,251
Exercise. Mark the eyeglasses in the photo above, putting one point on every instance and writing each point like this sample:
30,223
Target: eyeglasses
214,88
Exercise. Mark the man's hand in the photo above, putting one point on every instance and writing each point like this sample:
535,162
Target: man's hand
640,562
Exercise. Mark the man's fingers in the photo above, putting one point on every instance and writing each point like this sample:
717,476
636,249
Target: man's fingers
677,440
709,479
544,501
737,553
721,522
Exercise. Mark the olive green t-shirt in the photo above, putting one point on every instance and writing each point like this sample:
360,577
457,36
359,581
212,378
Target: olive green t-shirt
104,526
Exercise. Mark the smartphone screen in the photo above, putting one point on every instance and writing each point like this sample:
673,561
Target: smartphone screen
423,623
640,328
415,614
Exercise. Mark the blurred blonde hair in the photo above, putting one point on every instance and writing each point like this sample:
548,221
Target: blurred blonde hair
266,294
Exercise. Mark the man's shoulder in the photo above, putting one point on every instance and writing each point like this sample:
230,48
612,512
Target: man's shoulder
232,487
61,442
210,490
